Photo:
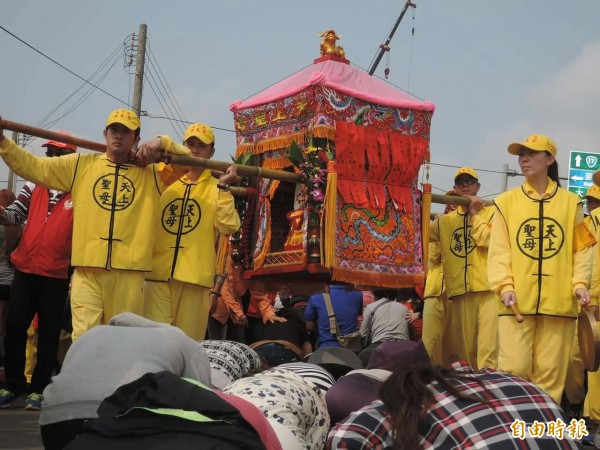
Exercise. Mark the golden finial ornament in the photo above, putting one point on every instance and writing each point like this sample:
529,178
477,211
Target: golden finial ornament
328,46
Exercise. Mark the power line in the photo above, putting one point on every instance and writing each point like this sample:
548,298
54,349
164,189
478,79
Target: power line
62,66
479,170
512,173
115,54
87,95
153,116
172,95
162,95
177,131
112,59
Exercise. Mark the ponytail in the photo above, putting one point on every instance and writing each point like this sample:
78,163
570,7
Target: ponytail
553,172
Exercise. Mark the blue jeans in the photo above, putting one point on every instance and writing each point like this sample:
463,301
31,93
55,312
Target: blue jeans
276,354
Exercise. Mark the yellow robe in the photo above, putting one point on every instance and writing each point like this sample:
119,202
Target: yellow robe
539,251
464,243
114,204
190,216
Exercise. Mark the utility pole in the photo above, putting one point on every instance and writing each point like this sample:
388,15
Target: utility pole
12,177
139,70
505,177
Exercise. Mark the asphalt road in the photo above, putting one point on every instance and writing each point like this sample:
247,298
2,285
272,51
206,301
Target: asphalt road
19,429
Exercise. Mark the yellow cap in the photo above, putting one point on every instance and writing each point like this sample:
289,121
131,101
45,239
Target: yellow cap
466,171
124,117
201,131
593,191
537,142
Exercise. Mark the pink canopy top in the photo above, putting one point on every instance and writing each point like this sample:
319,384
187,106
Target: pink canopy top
342,77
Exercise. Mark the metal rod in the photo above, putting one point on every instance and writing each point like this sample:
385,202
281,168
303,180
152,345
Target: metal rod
384,47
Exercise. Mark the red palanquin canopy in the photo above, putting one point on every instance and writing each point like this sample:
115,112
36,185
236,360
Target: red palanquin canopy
381,137
331,89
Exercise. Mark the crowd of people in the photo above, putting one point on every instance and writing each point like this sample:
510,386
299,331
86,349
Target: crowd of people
118,249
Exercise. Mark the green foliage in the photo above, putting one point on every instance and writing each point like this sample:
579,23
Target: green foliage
294,154
243,159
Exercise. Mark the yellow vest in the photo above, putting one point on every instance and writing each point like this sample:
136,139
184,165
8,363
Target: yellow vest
434,284
593,223
464,250
113,204
190,217
541,233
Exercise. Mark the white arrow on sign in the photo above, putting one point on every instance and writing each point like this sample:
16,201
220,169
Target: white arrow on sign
577,160
576,178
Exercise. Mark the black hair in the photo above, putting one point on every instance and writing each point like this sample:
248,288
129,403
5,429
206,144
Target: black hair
553,170
291,314
406,293
408,397
385,293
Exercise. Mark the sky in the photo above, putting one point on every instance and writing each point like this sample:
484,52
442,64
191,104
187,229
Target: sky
496,71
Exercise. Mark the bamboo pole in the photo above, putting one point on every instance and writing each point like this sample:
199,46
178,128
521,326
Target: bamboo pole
455,200
239,192
242,170
51,135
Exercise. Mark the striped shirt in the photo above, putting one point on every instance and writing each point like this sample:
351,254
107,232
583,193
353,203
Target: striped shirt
311,372
17,212
512,420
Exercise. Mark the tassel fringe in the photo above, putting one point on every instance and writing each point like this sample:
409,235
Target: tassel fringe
330,218
324,131
276,163
277,143
425,219
259,260
223,253
377,279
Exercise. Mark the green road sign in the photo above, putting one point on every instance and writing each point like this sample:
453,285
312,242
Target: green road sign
578,190
584,161
582,166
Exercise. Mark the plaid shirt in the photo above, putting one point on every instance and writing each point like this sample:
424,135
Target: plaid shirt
516,408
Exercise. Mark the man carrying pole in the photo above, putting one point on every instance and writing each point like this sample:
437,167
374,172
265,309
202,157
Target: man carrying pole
115,203
192,212
464,237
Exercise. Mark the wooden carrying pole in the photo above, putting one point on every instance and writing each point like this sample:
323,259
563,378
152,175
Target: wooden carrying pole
242,170
455,200
51,135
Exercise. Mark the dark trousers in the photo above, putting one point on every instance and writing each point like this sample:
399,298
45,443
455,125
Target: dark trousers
255,329
216,331
236,333
57,435
32,294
